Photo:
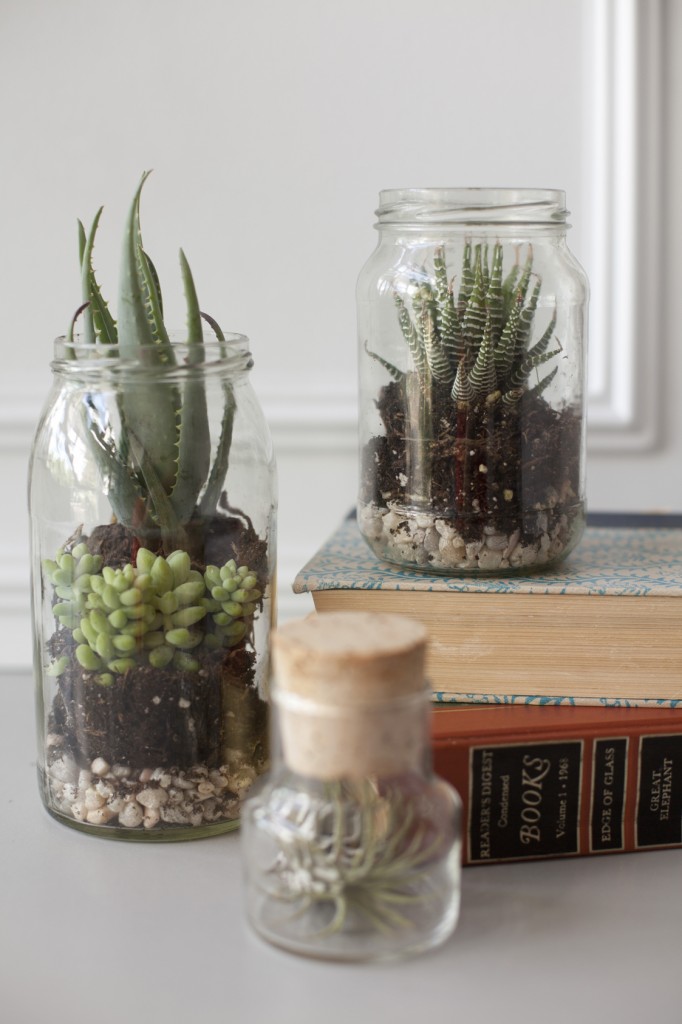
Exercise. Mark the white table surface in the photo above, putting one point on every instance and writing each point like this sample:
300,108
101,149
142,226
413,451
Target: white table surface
109,932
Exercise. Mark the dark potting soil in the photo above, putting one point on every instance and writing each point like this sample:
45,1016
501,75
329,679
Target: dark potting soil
487,464
164,718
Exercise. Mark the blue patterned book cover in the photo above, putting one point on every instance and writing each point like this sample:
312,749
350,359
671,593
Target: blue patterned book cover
619,555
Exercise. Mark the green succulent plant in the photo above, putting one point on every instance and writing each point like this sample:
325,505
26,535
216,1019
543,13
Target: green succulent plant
156,611
159,469
477,344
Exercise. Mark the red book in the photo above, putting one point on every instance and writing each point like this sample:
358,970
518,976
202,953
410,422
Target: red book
547,781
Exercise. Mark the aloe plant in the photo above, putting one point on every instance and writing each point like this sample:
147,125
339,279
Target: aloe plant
159,471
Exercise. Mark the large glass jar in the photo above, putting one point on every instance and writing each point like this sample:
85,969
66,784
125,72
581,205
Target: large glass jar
152,499
472,328
352,847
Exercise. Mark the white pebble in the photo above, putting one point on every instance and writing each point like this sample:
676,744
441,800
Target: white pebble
392,521
100,767
173,815
84,779
120,771
497,542
146,774
93,800
511,546
104,789
152,798
131,815
164,780
489,559
53,739
184,703
100,816
205,789
181,782
64,769
79,810
152,817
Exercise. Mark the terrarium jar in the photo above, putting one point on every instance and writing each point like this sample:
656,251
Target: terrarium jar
472,329
152,498
352,847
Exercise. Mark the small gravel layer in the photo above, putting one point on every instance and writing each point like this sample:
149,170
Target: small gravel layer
105,794
420,539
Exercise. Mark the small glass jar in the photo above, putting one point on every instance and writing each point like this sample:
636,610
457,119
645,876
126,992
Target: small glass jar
351,845
152,497
472,328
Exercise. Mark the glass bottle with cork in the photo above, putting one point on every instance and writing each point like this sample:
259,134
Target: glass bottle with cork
351,844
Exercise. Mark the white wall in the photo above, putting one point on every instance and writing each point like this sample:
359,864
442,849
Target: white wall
271,127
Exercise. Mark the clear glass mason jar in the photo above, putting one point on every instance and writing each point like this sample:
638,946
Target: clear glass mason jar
472,330
351,846
152,495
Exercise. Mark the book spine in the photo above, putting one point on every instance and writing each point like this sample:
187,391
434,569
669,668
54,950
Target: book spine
560,796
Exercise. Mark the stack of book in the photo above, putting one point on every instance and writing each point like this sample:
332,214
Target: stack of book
559,694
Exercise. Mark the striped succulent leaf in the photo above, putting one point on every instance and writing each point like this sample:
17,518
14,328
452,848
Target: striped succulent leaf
486,335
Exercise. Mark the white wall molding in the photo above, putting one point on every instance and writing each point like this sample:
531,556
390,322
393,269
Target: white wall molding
625,158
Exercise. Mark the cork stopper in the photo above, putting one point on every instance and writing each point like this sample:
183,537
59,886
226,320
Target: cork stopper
346,657
344,683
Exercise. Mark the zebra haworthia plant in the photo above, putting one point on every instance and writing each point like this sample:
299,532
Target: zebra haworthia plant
478,343
159,470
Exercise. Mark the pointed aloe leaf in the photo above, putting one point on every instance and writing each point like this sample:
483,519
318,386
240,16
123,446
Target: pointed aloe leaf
221,459
120,485
155,278
88,326
149,411
134,329
218,472
152,303
100,321
162,510
82,238
194,439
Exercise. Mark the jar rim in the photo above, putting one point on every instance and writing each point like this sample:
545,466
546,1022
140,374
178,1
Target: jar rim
472,206
231,353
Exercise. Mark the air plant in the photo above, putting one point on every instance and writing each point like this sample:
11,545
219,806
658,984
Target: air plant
158,470
355,851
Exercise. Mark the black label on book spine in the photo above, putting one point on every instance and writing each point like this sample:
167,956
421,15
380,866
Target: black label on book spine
659,793
609,775
524,800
